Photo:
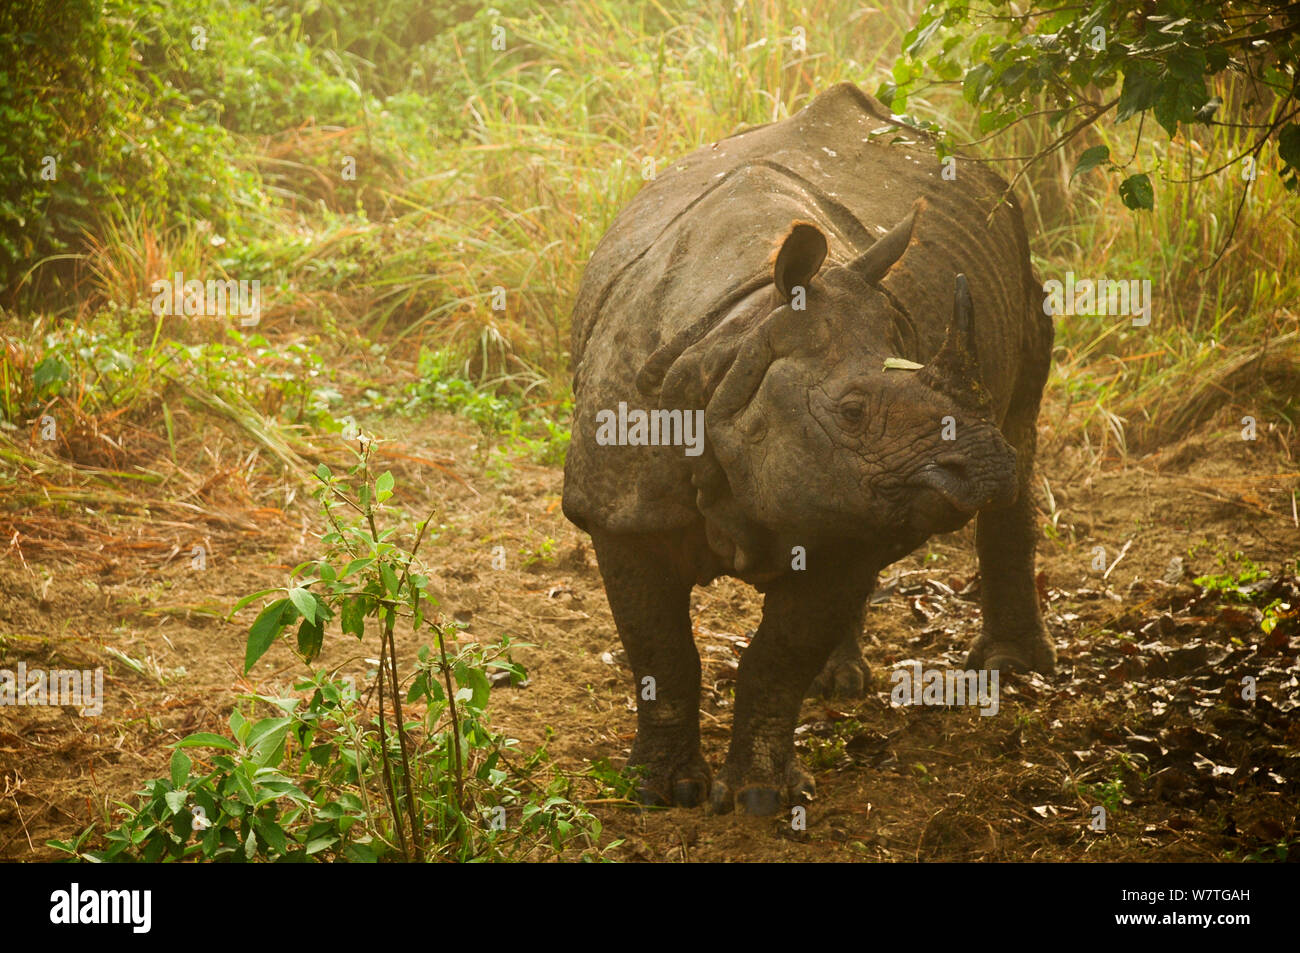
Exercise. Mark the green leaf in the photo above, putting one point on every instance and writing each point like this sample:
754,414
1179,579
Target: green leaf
1090,159
1178,102
353,615
1137,193
330,812
384,486
323,472
267,728
948,70
1187,65
277,789
272,835
390,578
361,853
355,565
1288,145
206,739
180,768
175,800
266,627
311,636
318,844
1138,94
476,681
977,83
419,686
254,597
266,745
517,672
304,602
51,370
925,29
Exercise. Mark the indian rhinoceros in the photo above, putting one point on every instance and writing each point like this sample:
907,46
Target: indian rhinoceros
798,353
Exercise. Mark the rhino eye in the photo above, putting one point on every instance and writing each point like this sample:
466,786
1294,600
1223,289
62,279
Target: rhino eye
852,411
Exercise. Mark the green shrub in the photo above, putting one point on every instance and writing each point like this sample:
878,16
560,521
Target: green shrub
52,55
104,129
421,776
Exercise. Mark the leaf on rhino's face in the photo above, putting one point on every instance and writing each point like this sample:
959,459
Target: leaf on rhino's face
901,364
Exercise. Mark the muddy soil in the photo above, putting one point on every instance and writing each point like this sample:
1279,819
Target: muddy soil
1145,719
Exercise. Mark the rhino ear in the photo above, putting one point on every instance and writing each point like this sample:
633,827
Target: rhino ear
801,255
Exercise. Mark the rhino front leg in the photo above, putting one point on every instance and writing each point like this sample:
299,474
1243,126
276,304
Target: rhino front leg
650,599
1014,636
805,616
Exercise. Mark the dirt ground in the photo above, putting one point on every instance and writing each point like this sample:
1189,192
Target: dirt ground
1146,715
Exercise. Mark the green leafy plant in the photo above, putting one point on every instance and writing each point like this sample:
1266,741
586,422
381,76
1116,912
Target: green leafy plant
616,784
440,388
1270,853
419,775
1232,584
1109,794
1066,62
540,434
543,554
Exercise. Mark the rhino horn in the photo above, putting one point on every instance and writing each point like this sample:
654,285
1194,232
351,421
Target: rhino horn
963,318
875,262
955,370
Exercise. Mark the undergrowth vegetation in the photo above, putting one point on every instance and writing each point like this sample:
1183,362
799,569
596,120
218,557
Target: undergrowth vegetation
433,180
320,777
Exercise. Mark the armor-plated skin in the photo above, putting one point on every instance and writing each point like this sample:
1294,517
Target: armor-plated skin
765,281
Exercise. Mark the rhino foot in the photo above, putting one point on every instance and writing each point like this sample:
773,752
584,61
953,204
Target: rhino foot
669,781
761,797
843,677
1034,654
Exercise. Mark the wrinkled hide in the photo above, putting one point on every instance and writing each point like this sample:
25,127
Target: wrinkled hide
675,309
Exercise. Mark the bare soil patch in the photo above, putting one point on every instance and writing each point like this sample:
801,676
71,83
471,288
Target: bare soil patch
1146,717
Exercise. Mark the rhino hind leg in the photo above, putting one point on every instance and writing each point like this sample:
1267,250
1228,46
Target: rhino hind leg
805,618
846,673
650,600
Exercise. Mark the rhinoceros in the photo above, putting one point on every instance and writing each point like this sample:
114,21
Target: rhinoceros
798,353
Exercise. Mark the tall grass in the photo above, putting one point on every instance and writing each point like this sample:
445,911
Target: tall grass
488,174
557,128
554,133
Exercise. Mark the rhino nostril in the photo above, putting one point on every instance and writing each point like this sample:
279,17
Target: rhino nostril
950,476
954,465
